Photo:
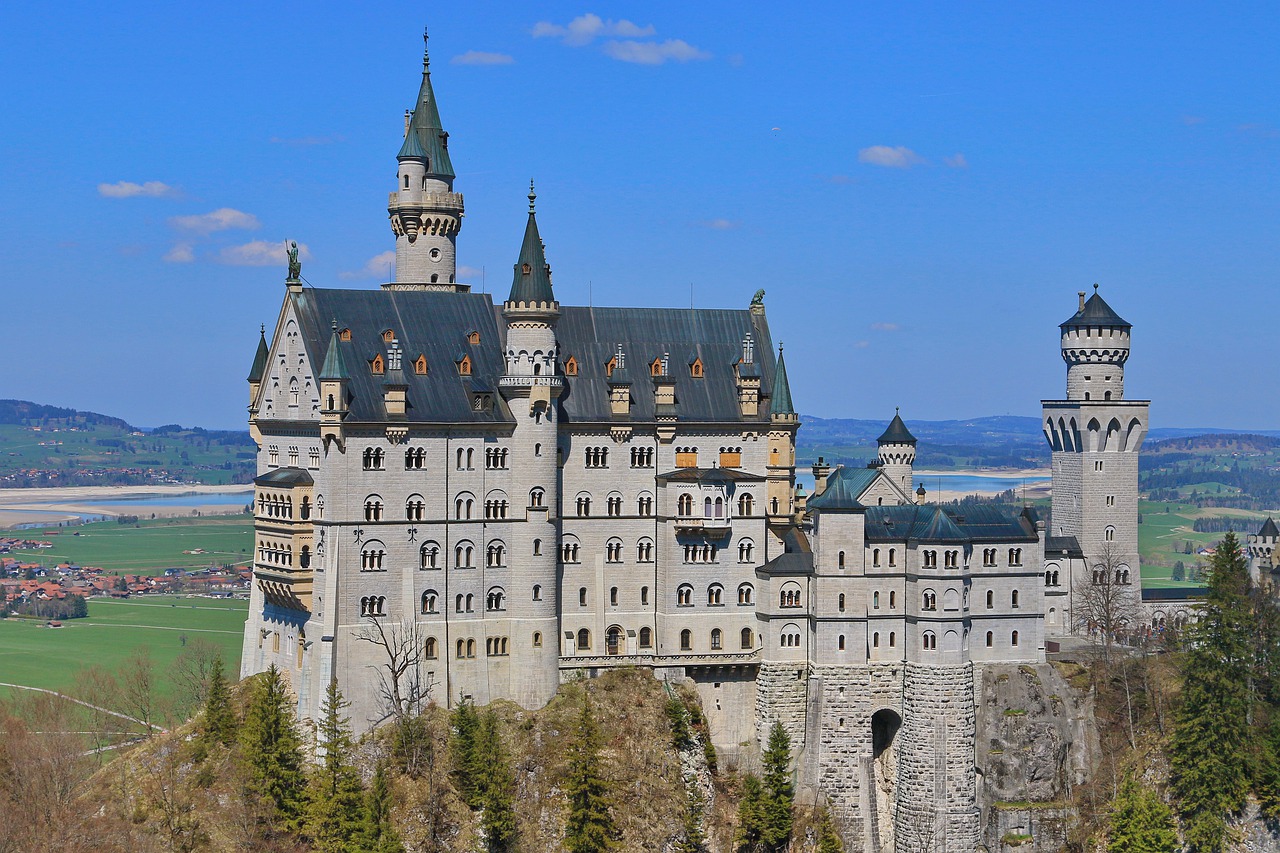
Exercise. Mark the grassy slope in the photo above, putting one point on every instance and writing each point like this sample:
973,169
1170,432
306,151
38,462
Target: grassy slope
1162,537
149,548
36,656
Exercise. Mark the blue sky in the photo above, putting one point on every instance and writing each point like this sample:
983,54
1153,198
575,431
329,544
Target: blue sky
921,189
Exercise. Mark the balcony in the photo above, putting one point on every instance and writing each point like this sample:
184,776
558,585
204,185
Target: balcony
703,525
589,661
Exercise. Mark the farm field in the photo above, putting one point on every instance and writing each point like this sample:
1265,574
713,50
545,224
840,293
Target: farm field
1163,535
148,548
36,656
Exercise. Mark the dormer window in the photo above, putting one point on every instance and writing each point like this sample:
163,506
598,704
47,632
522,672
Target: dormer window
420,365
388,336
344,335
378,366
571,367
473,337
464,366
655,369
695,369
525,269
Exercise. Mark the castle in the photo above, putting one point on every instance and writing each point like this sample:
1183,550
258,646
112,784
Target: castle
491,498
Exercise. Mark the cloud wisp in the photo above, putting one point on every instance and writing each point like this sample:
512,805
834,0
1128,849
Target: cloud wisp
885,327
956,161
260,253
899,157
483,57
222,219
379,266
721,224
147,189
181,253
628,41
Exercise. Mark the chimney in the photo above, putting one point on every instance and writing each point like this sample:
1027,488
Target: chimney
408,115
920,493
1079,293
821,470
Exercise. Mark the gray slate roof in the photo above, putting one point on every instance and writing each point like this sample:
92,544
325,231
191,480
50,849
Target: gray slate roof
259,368
946,526
1096,312
896,432
426,139
534,286
284,478
781,404
1269,528
844,488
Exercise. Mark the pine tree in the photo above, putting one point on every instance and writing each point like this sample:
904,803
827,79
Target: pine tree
1209,749
750,815
464,753
379,834
219,720
590,827
272,748
1267,776
828,838
335,807
498,818
779,795
1140,822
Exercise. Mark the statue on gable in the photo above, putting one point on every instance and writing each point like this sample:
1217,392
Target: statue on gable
758,299
295,265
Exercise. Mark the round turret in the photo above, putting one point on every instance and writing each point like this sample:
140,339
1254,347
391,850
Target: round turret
1095,346
897,453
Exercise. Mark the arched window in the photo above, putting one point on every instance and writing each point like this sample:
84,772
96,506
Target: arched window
840,644
1015,556
746,551
646,638
789,595
429,556
930,600
930,641
715,595
706,507
304,557
893,639
991,599
613,551
1013,599
537,592
496,599
990,639
432,650
746,594
569,551
644,505
464,555
415,508
684,504
584,639
893,557
841,600
840,560
686,640
495,555
1110,534
429,601
684,596
536,497
716,636
893,599
373,508
747,639
719,507
875,557
613,596
1013,638
372,555
875,600
644,550
746,505
582,596
584,505
875,640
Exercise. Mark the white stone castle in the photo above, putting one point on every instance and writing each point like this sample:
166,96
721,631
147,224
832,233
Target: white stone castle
527,491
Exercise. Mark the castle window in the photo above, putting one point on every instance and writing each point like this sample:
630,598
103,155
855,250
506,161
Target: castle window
655,369
415,458
644,595
1013,600
686,457
893,639
930,600
537,639
584,505
684,596
746,505
313,457
1015,556
789,596
373,459
464,555
388,336
893,556
893,599
1109,534
840,644
613,551
415,508
875,558
584,640
370,605
495,458
747,640
293,400
988,557
930,641
304,557
535,498
840,559
1013,639
596,457
406,182
642,457
429,601
715,595
875,640
686,640
1111,500
373,508
644,505
378,366
646,638
463,506
571,367
613,596
429,555
695,369
496,599
582,596
875,600
841,604
991,599
930,559
684,504
990,639
432,649
471,644
525,269
644,551
420,365
495,555
613,506
950,559
464,366
716,636
569,552
537,592
746,594
473,337
746,551
537,547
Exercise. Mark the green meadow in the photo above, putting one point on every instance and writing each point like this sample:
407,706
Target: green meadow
36,656
148,548
1165,530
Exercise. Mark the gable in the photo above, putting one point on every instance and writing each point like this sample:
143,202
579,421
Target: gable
289,388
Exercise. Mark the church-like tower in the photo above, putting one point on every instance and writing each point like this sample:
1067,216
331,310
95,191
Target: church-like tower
784,423
426,214
1095,435
531,387
897,453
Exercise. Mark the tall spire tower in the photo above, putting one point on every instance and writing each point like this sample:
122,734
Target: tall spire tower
426,214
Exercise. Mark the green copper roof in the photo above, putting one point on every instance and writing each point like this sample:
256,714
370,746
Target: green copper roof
426,139
780,402
259,368
532,283
897,433
334,366
844,488
1096,312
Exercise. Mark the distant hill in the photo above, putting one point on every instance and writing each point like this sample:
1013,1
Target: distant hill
53,446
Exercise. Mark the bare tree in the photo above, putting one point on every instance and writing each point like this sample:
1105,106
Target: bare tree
1106,603
190,675
402,686
138,688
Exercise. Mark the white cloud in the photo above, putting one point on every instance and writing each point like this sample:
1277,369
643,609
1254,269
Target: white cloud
586,28
128,189
956,161
900,157
482,57
654,53
379,266
885,327
221,219
862,344
260,253
721,224
465,272
181,253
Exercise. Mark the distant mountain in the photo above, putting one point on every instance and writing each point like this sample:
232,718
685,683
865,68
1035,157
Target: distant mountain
28,413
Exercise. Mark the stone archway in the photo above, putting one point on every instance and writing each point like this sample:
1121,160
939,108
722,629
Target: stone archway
884,777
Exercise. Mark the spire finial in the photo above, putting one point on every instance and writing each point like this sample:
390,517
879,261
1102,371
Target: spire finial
334,326
532,195
262,329
1095,287
897,409
426,57
779,347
